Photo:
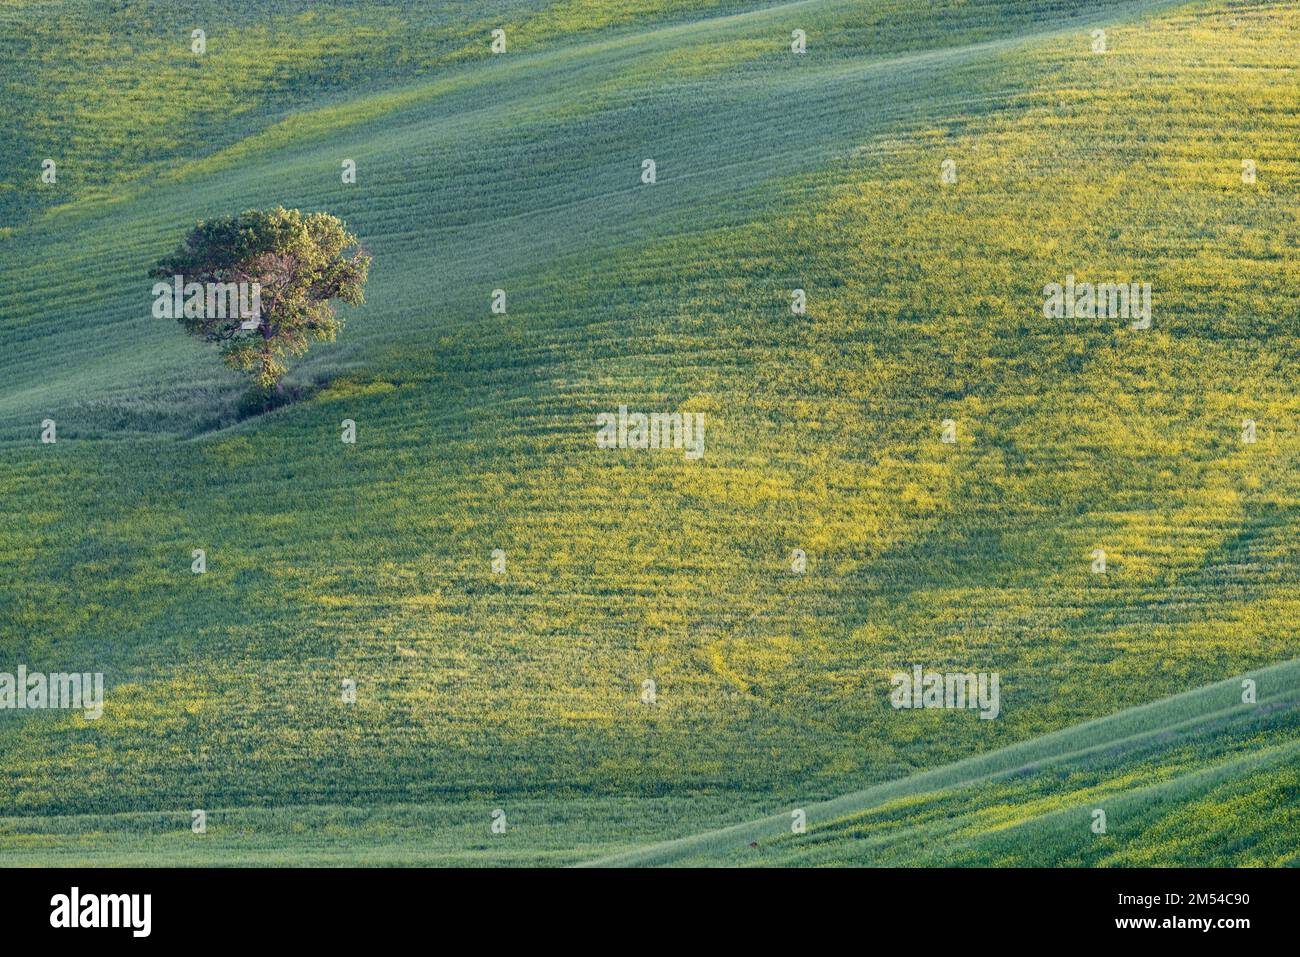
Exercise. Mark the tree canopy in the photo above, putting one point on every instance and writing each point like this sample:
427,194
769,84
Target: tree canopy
299,262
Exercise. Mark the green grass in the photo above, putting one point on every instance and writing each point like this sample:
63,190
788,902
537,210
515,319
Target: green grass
476,432
1201,775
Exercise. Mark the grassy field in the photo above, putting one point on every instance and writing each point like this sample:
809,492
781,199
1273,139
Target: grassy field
476,431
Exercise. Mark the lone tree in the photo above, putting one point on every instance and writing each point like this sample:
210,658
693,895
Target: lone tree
301,263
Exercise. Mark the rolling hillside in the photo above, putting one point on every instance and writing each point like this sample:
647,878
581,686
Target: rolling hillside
476,431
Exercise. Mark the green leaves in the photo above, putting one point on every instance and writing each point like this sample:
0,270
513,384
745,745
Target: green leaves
298,264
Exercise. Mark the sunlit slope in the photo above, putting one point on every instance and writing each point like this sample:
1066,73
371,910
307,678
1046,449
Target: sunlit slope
477,432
